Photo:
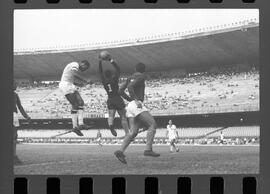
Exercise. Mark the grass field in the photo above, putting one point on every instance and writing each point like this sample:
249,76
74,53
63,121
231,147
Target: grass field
92,159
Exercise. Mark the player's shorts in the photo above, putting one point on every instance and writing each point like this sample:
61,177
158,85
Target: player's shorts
67,87
115,103
133,110
16,120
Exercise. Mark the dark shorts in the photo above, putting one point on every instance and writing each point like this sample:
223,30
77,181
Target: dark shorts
115,103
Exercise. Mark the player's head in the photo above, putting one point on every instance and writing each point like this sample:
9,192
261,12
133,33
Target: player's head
108,74
14,86
84,65
140,67
170,122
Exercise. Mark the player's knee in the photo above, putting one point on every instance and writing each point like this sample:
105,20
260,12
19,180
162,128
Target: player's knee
153,126
133,134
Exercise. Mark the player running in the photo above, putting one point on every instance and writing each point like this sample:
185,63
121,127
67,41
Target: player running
172,134
72,75
16,124
138,114
115,102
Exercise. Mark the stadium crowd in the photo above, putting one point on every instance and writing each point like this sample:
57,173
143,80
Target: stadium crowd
166,93
137,141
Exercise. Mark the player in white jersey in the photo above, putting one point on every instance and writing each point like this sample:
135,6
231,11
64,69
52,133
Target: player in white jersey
98,138
71,78
172,134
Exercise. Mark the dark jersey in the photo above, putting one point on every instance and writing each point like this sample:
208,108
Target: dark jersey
112,87
136,87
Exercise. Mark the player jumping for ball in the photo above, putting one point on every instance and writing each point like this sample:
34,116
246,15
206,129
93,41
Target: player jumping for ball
72,75
16,124
115,102
172,134
138,114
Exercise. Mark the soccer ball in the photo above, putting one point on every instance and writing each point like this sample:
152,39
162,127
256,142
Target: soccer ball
104,55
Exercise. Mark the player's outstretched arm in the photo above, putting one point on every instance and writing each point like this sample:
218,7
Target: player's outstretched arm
80,81
20,107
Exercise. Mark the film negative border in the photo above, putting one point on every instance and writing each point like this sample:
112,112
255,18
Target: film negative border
149,184
166,184
124,1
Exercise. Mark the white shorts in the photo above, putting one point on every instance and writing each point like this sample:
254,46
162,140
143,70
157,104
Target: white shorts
67,87
133,110
16,120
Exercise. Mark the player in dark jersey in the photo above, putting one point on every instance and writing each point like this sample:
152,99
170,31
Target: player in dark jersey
137,114
17,105
115,102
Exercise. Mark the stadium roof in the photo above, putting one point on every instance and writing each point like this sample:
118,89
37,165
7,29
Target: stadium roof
220,45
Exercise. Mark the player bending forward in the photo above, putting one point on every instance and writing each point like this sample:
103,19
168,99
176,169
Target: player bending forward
115,102
72,75
138,115
16,124
172,134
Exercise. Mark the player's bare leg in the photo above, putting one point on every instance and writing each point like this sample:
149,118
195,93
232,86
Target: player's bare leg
74,113
80,107
134,128
124,120
148,119
111,121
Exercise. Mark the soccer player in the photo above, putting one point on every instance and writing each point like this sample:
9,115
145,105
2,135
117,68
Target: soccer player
138,114
16,124
71,78
115,102
172,134
221,138
99,136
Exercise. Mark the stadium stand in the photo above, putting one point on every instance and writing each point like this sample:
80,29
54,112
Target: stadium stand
168,93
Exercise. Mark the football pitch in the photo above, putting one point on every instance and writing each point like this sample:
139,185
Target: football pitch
85,159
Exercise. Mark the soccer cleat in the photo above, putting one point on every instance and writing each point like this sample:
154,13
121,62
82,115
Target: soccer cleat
114,133
121,157
177,150
151,153
17,161
77,131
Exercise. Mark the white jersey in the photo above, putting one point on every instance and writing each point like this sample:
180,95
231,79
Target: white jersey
172,133
69,72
